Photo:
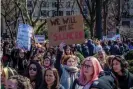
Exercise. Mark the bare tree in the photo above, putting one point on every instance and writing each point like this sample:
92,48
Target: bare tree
10,13
126,32
90,6
14,10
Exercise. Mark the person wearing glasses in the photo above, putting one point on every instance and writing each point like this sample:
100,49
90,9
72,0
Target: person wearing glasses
123,76
89,72
34,73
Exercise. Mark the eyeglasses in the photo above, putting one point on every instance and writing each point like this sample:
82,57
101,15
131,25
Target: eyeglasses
34,69
86,66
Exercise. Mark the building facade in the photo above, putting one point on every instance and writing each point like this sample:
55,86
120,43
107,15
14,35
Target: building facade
49,8
127,13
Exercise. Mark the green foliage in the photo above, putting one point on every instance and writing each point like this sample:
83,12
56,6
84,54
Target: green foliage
80,56
130,68
129,55
87,32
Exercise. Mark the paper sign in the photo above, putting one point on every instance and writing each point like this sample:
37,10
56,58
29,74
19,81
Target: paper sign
68,29
24,36
40,38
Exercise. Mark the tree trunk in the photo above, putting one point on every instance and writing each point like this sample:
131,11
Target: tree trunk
98,20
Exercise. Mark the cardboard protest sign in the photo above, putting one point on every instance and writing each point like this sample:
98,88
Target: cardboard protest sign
24,36
40,38
68,29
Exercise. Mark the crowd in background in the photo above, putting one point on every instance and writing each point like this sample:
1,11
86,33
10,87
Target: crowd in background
92,65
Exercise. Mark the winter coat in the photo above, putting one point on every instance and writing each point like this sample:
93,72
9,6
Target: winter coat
104,82
85,50
126,80
91,48
66,77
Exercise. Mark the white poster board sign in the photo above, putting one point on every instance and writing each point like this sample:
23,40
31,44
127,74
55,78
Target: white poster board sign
40,38
24,36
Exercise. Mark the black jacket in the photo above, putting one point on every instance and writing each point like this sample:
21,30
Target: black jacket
104,82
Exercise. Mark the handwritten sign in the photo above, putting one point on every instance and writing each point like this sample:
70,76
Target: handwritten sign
24,36
40,38
68,29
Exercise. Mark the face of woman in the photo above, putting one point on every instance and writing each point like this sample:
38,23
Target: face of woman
49,55
47,62
116,66
47,45
70,62
21,54
88,68
3,79
32,70
11,84
68,51
49,77
101,56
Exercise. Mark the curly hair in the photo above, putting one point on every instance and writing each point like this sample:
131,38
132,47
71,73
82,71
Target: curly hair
22,82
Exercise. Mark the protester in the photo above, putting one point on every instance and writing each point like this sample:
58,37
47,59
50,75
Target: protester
21,62
114,49
98,46
90,71
6,54
18,82
47,63
102,59
104,82
124,77
34,73
91,47
68,70
85,50
6,73
51,79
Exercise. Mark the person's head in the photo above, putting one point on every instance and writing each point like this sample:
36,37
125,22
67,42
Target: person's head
21,53
18,82
91,69
6,47
48,54
70,60
6,73
38,58
101,55
51,78
34,73
47,62
47,45
109,60
119,64
67,50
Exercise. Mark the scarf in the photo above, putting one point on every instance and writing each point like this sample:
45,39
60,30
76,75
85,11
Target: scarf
71,69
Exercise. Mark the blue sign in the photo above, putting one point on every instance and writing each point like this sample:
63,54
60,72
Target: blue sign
24,36
40,38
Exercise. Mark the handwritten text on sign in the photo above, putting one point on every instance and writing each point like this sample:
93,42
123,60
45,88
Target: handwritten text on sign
24,36
68,29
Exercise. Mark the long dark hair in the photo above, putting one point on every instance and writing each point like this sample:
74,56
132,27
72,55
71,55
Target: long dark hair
39,76
56,82
123,62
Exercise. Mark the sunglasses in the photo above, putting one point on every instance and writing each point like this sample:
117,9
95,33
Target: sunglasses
34,69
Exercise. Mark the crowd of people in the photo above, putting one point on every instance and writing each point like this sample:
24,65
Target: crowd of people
91,65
